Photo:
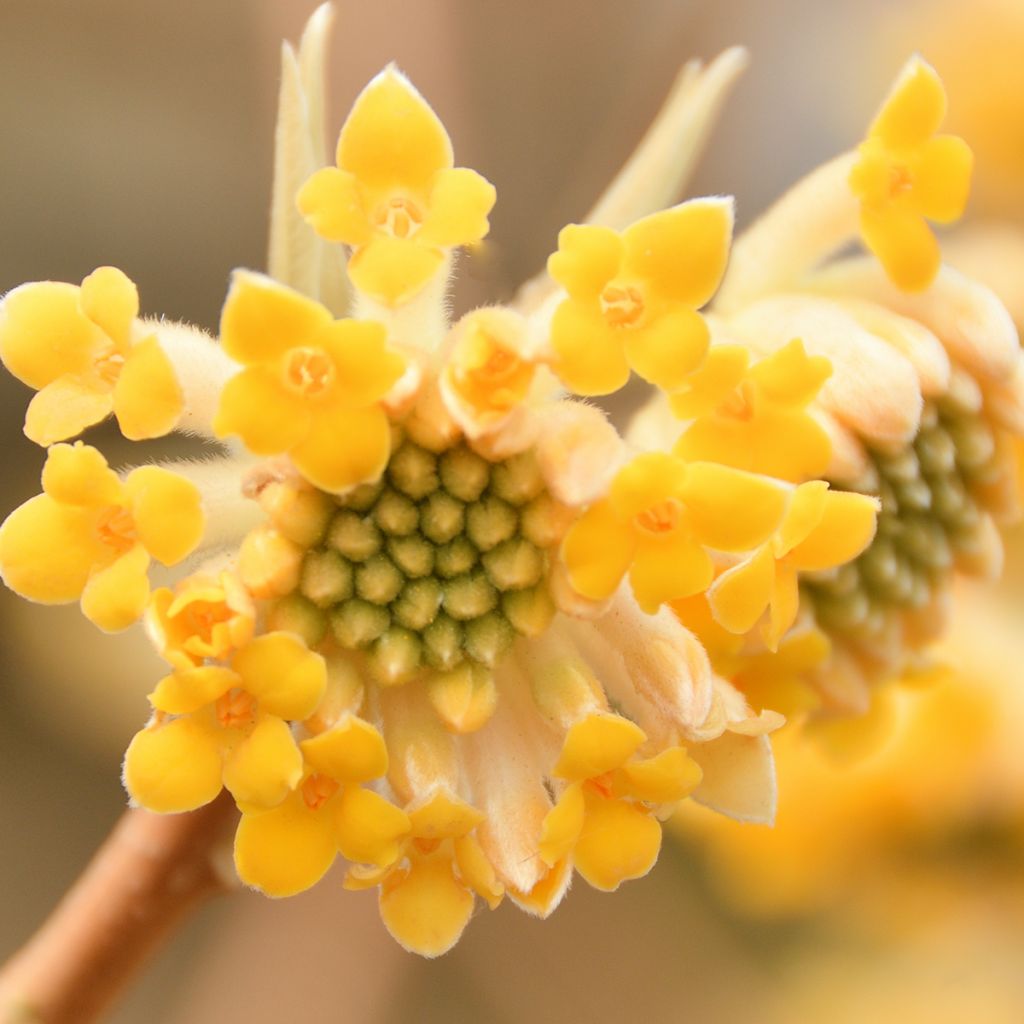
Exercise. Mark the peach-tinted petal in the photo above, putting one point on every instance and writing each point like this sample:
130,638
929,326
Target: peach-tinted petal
256,406
148,400
262,319
65,407
167,511
344,448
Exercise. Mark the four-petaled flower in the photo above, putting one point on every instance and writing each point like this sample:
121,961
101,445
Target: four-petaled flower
633,297
659,520
312,385
79,347
605,817
395,197
226,726
755,417
905,174
91,536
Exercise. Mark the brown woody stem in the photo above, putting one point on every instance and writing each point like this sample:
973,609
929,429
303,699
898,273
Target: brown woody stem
144,880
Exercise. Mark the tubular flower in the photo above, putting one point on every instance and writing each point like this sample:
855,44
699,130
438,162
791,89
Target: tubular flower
225,726
756,417
659,520
90,535
308,379
408,623
394,196
906,173
632,297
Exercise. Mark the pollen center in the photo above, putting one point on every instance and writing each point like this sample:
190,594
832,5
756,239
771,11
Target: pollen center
317,790
108,365
203,616
398,217
308,371
900,180
662,517
622,305
235,708
116,529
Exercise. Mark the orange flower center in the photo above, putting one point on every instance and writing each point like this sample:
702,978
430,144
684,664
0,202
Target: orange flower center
116,529
661,517
900,180
317,790
622,305
235,708
201,618
108,365
739,405
398,217
498,381
308,372
601,784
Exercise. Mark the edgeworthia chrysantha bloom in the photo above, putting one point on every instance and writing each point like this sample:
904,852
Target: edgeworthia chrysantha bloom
439,617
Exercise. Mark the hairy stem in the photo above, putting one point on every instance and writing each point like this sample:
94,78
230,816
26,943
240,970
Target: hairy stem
146,878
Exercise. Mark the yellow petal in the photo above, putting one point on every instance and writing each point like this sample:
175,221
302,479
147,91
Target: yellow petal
173,767
265,766
597,744
597,551
369,829
262,319
111,301
914,108
666,351
646,481
47,550
366,367
332,201
681,252
590,356
444,816
282,674
460,200
78,474
352,751
392,138
739,597
846,527
344,448
476,871
785,605
427,909
942,178
168,512
256,407
588,257
393,270
619,841
115,597
666,778
806,507
562,826
148,400
711,383
904,245
65,407
790,375
43,334
190,689
285,850
668,567
731,510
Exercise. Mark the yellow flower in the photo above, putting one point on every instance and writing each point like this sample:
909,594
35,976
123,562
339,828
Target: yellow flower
756,418
633,296
822,529
228,729
78,347
395,197
605,817
91,536
427,892
659,520
289,848
204,616
311,386
905,174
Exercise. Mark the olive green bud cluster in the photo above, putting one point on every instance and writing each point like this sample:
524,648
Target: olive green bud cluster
442,561
932,496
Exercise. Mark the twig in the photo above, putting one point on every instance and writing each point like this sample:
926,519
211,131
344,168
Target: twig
143,881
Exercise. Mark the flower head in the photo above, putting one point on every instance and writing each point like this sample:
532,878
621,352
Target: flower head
905,175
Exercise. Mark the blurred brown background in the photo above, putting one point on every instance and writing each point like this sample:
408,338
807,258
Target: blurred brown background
138,133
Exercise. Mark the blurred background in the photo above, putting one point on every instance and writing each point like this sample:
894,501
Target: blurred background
139,133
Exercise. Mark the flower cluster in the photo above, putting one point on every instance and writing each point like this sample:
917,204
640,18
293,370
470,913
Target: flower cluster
435,618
